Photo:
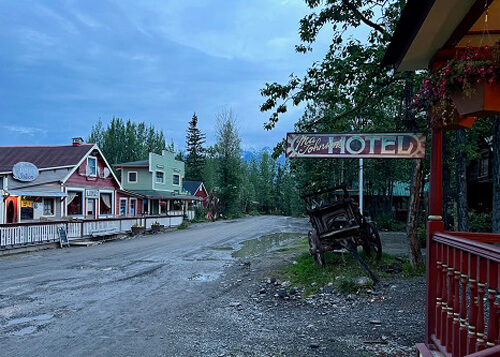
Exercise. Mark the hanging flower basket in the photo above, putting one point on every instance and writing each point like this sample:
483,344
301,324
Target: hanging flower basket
448,118
483,101
467,87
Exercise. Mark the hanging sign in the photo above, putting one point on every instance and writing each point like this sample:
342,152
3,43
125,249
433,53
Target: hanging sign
25,171
356,145
92,193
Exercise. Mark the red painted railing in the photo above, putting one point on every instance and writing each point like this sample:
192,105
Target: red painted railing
464,314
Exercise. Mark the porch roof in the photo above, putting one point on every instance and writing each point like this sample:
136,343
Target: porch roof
428,26
154,194
36,193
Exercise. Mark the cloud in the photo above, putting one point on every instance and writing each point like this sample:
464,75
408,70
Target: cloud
31,131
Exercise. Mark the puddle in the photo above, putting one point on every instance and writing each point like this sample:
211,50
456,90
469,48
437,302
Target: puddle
37,318
222,248
25,331
203,277
264,244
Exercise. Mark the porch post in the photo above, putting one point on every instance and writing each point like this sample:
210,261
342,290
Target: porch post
434,224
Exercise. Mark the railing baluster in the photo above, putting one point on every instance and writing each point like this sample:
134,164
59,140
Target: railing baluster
464,268
456,301
449,295
481,284
444,303
471,337
439,291
492,307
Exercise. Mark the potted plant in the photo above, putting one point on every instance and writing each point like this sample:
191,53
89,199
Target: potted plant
156,227
466,87
138,229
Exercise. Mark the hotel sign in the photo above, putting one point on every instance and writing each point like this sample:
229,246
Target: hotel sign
367,145
25,171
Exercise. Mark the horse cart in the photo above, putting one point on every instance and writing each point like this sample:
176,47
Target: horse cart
338,224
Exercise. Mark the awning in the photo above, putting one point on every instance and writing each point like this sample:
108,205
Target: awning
36,193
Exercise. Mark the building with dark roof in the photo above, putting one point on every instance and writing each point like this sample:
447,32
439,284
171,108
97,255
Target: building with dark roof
159,180
51,182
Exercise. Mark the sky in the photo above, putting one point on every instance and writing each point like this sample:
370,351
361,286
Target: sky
65,64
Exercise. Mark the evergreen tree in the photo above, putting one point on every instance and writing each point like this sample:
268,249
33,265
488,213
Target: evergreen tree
228,153
195,159
126,141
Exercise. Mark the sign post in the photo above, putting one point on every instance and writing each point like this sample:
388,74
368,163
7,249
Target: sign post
356,145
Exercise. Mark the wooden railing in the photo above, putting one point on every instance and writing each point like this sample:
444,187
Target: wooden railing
18,235
465,317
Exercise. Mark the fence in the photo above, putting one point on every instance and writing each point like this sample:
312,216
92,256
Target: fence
17,235
464,315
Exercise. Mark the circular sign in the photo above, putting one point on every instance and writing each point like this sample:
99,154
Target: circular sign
25,171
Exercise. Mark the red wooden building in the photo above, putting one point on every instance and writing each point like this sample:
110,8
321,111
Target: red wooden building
53,182
462,304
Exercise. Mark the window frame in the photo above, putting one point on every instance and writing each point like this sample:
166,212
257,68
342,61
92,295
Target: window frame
101,192
173,180
92,158
123,199
163,177
128,176
53,206
82,194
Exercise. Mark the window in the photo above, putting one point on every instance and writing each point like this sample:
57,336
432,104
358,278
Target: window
484,164
133,205
160,176
92,166
74,203
132,176
48,206
123,206
177,180
105,206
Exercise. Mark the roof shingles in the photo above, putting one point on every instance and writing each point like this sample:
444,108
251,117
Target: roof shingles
42,156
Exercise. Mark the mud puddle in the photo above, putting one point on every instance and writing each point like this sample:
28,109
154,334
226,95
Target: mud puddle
265,244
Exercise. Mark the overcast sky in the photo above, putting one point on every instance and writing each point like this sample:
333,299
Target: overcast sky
65,64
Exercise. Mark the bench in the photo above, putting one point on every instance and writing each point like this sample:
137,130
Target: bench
104,232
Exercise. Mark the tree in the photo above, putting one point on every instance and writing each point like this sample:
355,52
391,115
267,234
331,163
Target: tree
195,159
348,90
228,153
126,141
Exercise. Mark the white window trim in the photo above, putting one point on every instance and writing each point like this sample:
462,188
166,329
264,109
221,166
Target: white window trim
120,207
94,158
112,203
163,181
180,180
53,206
136,176
130,206
84,202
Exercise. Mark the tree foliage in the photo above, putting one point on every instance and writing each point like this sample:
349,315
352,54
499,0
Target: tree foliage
195,159
126,141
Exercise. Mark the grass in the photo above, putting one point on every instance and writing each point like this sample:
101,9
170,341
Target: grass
342,270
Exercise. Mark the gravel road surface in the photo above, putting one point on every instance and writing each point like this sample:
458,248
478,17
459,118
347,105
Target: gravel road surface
182,293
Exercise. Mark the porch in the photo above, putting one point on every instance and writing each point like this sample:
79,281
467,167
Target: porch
21,235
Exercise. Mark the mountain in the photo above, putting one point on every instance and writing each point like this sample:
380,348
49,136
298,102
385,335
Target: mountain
252,152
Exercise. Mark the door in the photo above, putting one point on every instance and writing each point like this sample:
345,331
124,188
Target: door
12,210
91,208
133,204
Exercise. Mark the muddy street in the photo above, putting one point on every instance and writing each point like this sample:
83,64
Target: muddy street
188,292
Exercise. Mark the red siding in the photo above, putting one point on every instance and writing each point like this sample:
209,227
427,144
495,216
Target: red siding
80,179
203,194
139,207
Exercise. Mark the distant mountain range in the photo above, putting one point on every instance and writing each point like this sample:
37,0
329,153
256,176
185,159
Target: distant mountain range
256,153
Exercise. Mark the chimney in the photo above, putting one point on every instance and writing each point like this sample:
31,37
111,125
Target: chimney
77,141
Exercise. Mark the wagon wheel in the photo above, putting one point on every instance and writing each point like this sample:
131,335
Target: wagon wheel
316,250
371,242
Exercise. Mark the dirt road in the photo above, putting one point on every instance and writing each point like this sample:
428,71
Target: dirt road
175,294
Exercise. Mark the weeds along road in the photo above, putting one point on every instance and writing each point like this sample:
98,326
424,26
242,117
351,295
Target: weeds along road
137,297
